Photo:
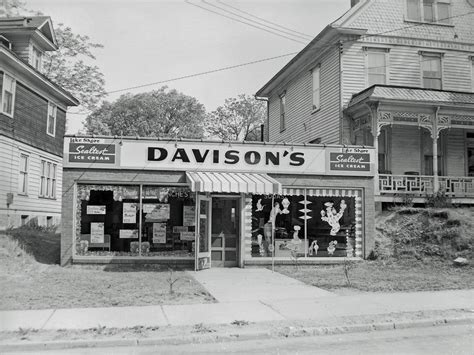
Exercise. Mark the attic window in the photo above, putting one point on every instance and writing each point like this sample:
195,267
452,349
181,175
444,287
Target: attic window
433,11
36,58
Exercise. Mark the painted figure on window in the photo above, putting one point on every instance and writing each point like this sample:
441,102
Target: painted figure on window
332,216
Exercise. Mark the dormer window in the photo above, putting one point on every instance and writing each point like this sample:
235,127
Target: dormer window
51,122
36,58
436,11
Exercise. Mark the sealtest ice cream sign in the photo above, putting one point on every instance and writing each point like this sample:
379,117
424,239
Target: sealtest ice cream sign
91,150
117,153
350,159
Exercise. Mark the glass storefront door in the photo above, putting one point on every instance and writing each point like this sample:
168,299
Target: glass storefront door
225,231
203,252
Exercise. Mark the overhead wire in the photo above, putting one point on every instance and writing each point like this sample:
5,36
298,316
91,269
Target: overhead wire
304,37
262,19
246,23
324,46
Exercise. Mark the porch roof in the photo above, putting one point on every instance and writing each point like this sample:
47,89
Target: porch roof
411,94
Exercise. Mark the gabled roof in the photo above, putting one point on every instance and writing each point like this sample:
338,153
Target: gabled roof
8,57
40,27
326,37
411,94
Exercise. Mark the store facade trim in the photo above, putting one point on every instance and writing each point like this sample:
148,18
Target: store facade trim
214,204
232,182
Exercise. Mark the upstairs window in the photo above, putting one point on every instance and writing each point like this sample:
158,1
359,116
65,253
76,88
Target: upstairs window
48,179
431,71
36,58
437,11
282,112
376,66
51,121
8,94
316,88
23,178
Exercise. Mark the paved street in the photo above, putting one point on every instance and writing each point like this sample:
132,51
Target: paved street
435,340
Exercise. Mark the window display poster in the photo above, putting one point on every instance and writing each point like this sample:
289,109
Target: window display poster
159,232
97,232
179,229
96,209
128,233
129,213
189,217
160,211
187,235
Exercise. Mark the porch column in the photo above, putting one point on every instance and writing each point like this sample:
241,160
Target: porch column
375,130
435,136
435,163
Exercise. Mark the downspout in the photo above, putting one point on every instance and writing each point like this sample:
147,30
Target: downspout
341,114
267,124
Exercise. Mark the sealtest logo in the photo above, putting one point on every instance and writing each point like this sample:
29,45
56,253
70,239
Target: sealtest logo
228,157
87,153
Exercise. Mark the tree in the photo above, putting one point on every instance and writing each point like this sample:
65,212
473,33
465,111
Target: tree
159,113
71,66
239,119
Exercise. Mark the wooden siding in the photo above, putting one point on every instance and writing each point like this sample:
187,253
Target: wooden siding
29,122
302,124
405,150
456,152
456,71
31,204
353,70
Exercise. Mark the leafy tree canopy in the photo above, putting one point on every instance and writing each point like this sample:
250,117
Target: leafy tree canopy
71,67
159,113
239,119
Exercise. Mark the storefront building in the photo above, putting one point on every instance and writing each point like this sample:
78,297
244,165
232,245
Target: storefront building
214,204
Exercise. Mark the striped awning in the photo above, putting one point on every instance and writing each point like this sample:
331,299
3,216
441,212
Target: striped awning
233,182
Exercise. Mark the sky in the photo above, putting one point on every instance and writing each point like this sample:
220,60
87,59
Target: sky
148,41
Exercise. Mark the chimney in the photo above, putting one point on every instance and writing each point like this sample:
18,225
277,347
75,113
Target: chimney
354,2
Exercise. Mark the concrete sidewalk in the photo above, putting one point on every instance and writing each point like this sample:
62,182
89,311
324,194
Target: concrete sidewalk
310,308
254,284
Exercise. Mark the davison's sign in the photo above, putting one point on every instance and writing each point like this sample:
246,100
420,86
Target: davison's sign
188,156
350,159
90,150
238,157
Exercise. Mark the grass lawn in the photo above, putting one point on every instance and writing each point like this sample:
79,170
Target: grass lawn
29,284
385,276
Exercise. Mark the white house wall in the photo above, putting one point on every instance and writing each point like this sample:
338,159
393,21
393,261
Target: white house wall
456,152
302,124
405,149
31,205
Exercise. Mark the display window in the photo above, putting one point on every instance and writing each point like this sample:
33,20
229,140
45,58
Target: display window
169,221
306,223
115,220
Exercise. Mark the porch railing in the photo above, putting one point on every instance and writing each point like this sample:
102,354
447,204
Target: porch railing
422,185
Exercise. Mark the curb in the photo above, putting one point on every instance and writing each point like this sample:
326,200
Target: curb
292,332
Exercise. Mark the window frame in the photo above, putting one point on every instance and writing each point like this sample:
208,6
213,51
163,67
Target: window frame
23,175
435,9
438,56
48,179
13,94
36,55
471,61
282,101
377,50
55,110
316,92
